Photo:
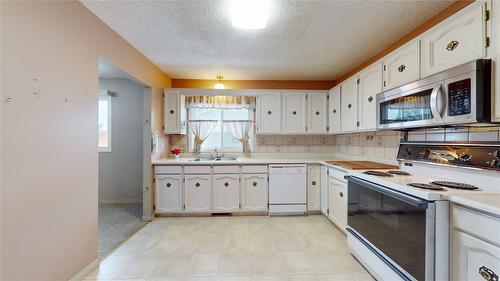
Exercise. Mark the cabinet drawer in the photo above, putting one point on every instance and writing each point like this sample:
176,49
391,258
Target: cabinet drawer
190,170
254,169
226,169
481,225
168,170
337,174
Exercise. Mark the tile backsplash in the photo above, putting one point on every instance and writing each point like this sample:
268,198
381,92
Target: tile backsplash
381,145
294,144
465,134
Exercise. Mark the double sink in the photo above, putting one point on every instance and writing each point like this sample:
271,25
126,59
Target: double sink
210,159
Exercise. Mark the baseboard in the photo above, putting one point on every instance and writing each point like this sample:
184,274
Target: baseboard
313,212
86,271
148,217
121,201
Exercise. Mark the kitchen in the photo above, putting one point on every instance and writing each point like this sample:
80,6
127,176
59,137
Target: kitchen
386,168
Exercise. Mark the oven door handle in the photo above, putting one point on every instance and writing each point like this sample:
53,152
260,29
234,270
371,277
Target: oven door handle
419,203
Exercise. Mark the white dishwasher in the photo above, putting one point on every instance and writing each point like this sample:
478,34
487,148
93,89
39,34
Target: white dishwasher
287,189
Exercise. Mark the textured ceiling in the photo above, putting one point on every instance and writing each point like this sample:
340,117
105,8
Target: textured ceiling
303,40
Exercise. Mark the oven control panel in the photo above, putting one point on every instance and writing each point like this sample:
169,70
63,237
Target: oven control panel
479,156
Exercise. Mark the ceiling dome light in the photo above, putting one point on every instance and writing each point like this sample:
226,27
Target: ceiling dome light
220,84
249,14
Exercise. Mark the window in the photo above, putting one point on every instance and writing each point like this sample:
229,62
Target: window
104,122
220,138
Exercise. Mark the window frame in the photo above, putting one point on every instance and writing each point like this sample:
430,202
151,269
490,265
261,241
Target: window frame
251,117
103,95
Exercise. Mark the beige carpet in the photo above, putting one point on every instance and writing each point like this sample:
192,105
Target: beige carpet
116,224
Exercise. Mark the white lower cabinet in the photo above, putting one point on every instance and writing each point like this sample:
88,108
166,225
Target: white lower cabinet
168,193
474,245
313,188
198,190
254,192
324,190
338,202
226,192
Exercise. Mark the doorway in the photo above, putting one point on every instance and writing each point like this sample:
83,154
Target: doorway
121,125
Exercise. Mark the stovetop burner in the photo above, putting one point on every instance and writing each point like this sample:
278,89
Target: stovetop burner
426,186
377,173
399,173
455,185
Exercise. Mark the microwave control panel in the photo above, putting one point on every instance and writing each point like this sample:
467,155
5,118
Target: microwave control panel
459,98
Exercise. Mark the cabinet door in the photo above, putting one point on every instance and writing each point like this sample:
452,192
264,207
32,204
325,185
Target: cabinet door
458,40
495,18
168,194
294,112
473,259
174,114
334,110
317,111
402,65
349,105
226,193
269,113
324,190
197,190
370,84
254,189
338,196
313,188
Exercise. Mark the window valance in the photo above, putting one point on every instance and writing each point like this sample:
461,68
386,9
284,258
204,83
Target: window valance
221,102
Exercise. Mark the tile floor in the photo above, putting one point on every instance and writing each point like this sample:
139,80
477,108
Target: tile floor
234,248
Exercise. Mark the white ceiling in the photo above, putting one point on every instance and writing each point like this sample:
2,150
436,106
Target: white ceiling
303,40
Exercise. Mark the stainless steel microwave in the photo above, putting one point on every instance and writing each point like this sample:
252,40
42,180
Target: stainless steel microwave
457,96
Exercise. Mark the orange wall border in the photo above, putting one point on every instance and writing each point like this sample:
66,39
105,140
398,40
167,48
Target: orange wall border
254,84
444,14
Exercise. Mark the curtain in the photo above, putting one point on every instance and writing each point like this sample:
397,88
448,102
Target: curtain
240,130
201,130
220,102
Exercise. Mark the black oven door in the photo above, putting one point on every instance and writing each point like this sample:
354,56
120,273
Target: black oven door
397,227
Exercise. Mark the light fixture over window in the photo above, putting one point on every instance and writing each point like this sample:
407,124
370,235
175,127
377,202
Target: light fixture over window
220,84
249,14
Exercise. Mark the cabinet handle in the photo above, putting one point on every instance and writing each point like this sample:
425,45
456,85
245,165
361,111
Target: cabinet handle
317,113
294,112
172,111
313,182
197,184
226,184
341,194
269,112
254,183
370,99
349,106
334,111
488,274
169,185
452,45
402,68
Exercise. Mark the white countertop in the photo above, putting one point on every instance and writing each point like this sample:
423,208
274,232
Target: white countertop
242,160
489,203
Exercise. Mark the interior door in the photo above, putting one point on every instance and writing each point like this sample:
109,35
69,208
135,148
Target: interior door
269,113
456,41
349,105
370,84
334,110
402,65
294,112
198,193
226,193
317,111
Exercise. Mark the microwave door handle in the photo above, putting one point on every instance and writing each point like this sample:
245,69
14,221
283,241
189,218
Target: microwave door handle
437,102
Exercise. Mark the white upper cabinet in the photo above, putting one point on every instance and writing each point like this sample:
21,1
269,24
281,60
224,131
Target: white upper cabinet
269,113
294,112
495,78
349,105
198,191
370,84
317,110
402,65
168,193
334,110
459,39
226,193
174,112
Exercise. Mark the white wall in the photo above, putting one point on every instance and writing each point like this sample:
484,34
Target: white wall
49,161
120,171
